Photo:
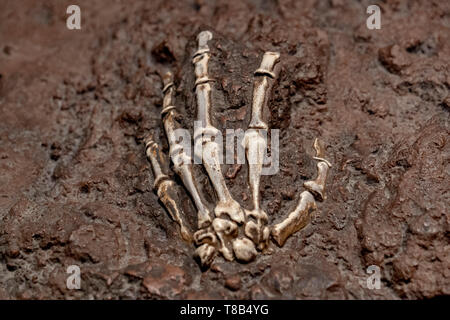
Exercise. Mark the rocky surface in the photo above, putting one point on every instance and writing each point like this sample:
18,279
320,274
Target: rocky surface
75,187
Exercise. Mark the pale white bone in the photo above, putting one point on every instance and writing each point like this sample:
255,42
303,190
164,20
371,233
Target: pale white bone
244,250
202,40
226,231
181,161
205,254
210,149
317,186
296,220
257,230
165,187
205,235
206,241
268,63
260,88
255,147
221,233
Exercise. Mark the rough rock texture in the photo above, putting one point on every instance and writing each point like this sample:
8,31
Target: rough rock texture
75,187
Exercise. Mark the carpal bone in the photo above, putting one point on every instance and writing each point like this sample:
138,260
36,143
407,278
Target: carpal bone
165,187
210,152
256,228
181,160
205,235
255,146
206,241
226,231
317,186
244,250
296,220
205,254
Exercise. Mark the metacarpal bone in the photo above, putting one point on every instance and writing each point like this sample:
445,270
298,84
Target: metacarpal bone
205,254
226,205
296,220
255,146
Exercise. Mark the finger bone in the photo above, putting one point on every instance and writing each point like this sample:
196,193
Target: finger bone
210,149
165,188
296,220
260,89
317,186
202,39
268,63
255,146
181,160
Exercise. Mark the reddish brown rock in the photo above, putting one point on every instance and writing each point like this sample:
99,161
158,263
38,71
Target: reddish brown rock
233,283
75,187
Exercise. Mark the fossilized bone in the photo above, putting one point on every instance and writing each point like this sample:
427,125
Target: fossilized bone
255,147
205,237
181,161
210,150
301,215
221,233
165,187
317,187
226,205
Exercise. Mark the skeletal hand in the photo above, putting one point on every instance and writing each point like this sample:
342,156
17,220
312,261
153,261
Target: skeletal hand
218,231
